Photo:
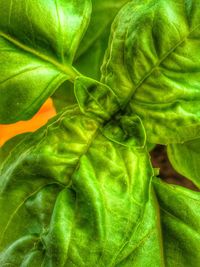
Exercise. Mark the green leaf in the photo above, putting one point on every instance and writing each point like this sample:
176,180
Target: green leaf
122,129
38,41
185,158
64,96
89,63
88,201
79,191
89,56
85,201
6,149
180,219
153,66
95,99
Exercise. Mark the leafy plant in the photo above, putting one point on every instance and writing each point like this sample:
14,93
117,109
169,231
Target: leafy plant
81,190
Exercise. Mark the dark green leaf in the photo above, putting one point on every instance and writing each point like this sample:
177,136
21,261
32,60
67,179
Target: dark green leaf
95,99
64,96
185,158
94,44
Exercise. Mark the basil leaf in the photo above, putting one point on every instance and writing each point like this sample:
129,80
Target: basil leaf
89,63
95,99
86,195
94,44
89,56
64,96
6,149
185,159
180,219
38,41
152,64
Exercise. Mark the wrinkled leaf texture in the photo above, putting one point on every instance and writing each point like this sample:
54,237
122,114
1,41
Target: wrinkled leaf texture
153,63
89,200
85,201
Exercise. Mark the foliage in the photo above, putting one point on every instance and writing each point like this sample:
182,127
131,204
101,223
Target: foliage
81,190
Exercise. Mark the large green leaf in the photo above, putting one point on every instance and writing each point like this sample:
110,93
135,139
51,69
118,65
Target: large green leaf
180,217
185,158
153,65
95,99
78,192
38,41
85,201
89,56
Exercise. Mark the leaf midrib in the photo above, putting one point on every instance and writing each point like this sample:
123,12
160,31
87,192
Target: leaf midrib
154,67
65,68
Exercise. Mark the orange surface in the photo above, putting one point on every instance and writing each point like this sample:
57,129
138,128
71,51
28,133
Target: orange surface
46,112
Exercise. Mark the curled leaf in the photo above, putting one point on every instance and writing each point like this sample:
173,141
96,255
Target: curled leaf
152,64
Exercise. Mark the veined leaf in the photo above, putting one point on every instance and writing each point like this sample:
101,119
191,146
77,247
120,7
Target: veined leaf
185,158
153,66
79,191
90,53
38,41
6,149
88,200
83,201
180,217
95,99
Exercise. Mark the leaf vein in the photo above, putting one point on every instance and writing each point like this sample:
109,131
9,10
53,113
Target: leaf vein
167,54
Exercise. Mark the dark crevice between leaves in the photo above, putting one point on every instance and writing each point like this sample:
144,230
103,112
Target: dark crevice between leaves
160,160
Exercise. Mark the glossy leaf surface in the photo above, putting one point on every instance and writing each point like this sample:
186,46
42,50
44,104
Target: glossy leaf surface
94,44
185,158
89,201
153,65
6,149
90,53
80,192
86,196
38,41
180,218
